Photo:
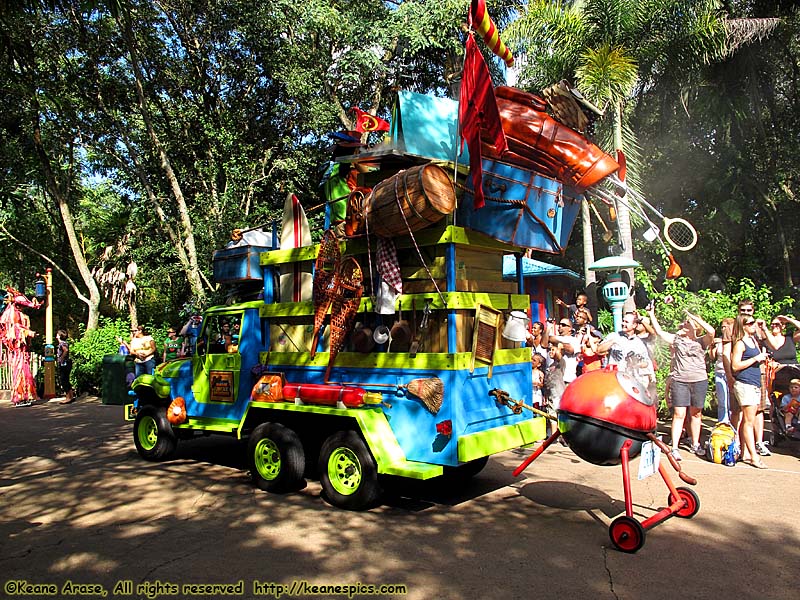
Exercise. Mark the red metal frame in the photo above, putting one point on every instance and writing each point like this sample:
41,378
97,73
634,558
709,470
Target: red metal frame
675,507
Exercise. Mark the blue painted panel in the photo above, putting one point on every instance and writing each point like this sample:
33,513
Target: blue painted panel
427,126
239,263
250,346
467,404
522,208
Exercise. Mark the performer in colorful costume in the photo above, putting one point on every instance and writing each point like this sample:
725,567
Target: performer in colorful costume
15,333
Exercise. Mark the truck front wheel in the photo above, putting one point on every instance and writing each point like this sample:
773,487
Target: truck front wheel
153,435
277,460
348,473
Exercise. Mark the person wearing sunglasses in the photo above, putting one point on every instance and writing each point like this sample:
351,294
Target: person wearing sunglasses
688,376
746,359
172,345
628,352
746,307
570,345
784,348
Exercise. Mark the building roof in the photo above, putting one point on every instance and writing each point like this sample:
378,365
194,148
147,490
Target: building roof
535,268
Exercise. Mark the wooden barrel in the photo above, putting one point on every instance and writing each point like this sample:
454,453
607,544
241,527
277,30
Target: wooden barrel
410,200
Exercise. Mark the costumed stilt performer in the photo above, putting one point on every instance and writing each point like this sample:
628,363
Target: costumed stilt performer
15,335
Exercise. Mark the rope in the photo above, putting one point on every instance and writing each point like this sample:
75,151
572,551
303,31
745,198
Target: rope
416,246
367,203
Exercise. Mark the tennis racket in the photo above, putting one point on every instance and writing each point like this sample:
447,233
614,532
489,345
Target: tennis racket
680,234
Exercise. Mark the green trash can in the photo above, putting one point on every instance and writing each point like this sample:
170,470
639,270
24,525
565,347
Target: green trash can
114,378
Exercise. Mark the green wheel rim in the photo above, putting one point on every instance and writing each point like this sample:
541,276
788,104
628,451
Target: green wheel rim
267,459
148,432
344,471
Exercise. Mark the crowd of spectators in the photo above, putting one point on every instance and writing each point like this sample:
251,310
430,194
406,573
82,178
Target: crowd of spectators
743,354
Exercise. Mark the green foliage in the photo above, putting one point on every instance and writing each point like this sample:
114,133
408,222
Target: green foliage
675,298
605,320
88,351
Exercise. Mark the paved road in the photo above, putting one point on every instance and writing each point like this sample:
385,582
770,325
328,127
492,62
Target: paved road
78,505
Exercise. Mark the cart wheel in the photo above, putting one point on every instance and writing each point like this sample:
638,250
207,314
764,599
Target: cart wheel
153,435
691,503
627,534
276,458
348,473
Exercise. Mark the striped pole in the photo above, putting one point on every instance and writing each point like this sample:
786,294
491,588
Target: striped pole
488,31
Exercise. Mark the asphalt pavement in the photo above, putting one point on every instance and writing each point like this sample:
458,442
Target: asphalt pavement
82,516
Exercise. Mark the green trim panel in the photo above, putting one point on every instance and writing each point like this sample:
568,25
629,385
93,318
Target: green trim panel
499,439
455,300
394,360
158,384
234,308
389,456
210,424
279,257
435,235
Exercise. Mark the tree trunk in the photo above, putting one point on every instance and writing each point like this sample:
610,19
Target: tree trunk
588,244
623,214
193,272
788,280
93,302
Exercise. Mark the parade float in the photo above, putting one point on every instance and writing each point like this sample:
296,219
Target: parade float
392,346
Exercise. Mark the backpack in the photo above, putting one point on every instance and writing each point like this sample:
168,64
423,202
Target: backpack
722,446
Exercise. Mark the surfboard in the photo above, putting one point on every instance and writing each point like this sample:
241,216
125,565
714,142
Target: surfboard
296,278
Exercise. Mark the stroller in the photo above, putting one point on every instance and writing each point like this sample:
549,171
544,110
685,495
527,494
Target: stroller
778,384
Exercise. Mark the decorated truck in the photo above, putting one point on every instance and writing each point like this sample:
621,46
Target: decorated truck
392,346
411,397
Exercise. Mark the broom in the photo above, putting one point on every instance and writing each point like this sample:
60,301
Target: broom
429,390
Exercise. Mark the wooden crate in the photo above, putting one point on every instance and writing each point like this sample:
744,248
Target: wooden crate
470,264
425,286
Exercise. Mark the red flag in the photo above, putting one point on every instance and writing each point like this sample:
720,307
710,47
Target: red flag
366,122
477,108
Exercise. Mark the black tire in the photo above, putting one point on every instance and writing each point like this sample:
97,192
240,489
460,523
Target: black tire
463,474
627,534
153,435
691,503
276,458
348,473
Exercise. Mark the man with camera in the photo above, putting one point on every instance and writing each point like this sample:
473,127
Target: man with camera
627,351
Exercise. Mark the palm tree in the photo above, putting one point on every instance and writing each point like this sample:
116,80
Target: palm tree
616,50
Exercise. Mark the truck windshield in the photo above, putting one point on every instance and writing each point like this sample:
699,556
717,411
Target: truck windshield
221,333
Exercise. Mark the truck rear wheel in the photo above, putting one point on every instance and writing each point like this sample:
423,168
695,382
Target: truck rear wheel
348,473
153,435
463,474
276,457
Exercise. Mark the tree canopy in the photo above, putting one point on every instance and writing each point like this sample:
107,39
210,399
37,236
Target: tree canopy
137,135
